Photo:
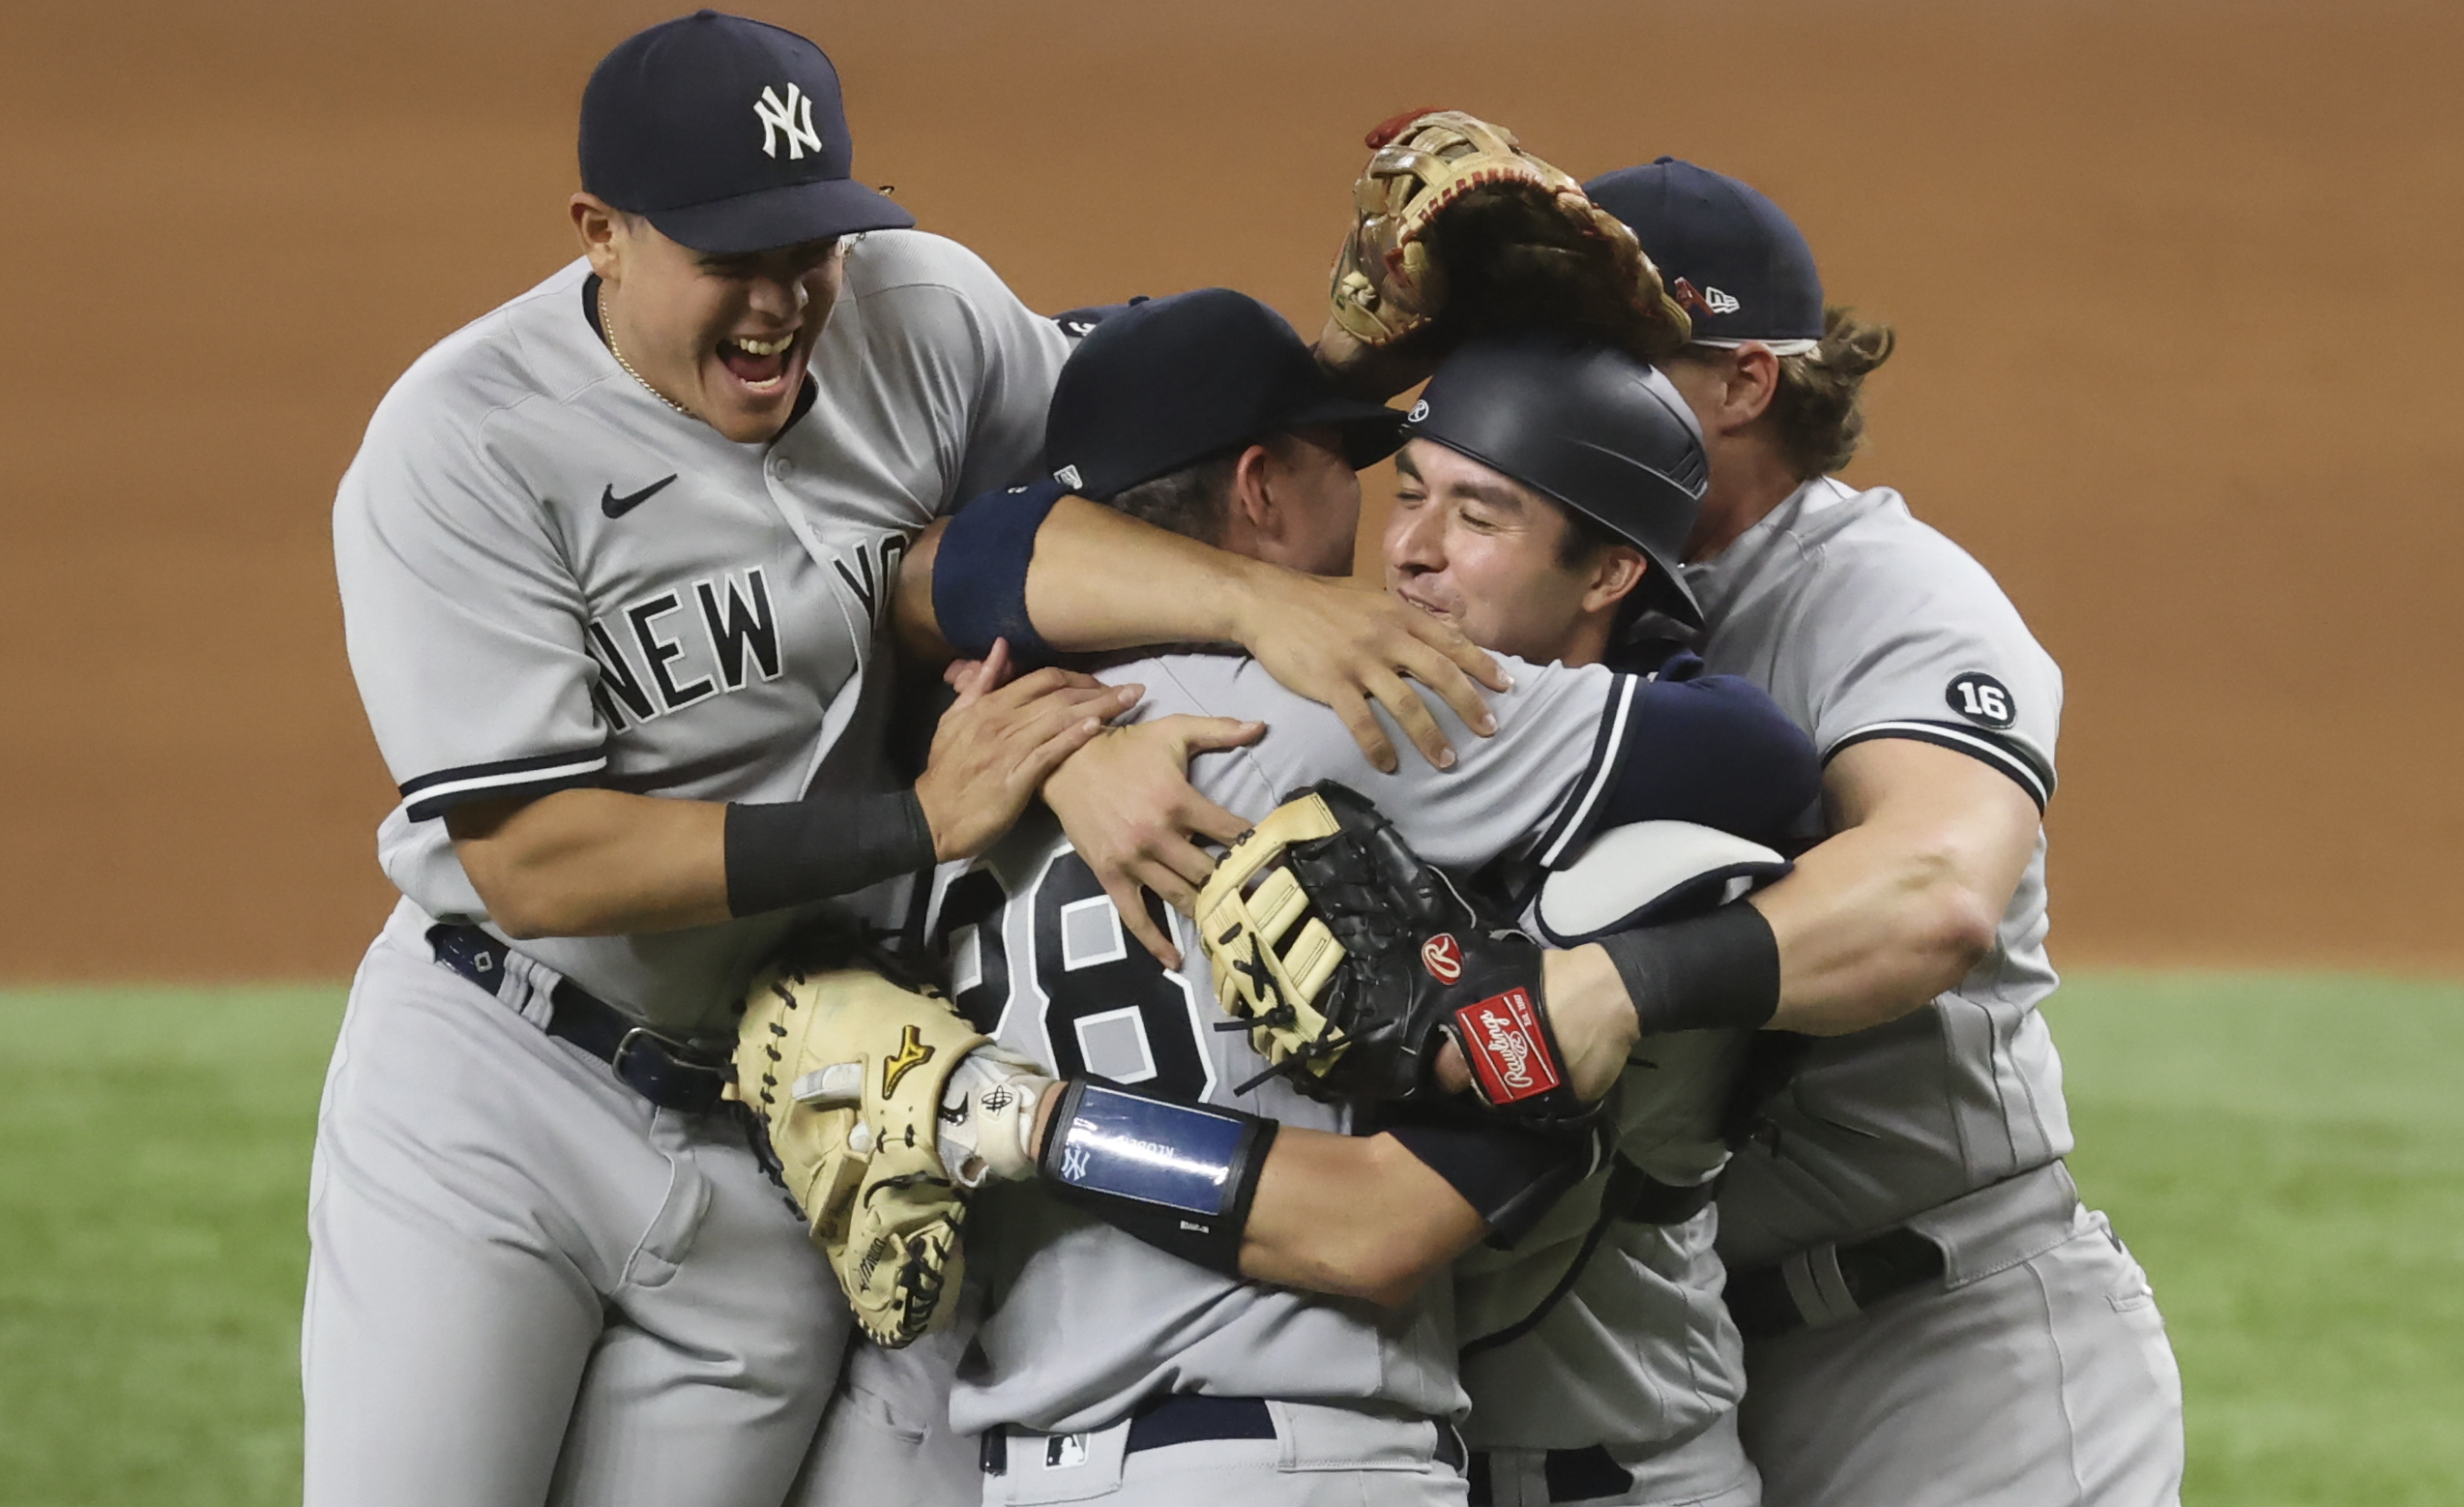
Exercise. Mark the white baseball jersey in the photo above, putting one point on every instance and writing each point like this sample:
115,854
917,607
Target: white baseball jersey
1864,623
1083,1321
551,579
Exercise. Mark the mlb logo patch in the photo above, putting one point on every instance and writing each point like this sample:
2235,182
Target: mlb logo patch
1501,1038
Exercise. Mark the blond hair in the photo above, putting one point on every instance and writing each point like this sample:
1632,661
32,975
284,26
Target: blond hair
1817,412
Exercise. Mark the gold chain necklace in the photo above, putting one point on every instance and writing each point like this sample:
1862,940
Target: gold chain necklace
607,328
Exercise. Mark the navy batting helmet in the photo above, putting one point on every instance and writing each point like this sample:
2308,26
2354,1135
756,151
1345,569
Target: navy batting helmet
1588,426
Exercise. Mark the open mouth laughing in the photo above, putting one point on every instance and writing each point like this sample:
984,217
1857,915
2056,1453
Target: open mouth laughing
760,365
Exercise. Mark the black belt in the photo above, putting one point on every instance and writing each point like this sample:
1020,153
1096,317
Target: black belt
1870,1270
1573,1475
1639,1197
1186,1418
671,1073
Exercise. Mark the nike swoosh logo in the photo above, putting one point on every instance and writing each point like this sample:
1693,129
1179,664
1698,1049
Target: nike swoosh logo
616,507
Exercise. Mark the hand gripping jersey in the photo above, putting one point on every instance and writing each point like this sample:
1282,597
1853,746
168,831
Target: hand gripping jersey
1083,1321
1864,623
550,578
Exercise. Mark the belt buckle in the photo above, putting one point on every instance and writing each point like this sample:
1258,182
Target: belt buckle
625,1043
673,1052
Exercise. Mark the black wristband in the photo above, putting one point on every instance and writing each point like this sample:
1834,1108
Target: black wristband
1713,971
1099,1154
793,852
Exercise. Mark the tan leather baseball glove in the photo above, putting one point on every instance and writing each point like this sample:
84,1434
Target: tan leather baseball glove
1459,231
848,1072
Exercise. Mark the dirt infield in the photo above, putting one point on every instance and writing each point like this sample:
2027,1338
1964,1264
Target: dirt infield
2175,285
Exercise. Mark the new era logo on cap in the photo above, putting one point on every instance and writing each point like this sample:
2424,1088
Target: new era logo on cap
1732,258
1067,476
1709,301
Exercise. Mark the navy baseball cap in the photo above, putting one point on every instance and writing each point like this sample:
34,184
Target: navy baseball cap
1735,263
728,135
1167,382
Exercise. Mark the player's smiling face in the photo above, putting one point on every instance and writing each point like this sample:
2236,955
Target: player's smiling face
727,338
1487,554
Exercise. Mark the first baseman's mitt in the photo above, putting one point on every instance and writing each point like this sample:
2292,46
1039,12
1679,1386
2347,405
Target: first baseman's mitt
1459,233
848,1072
1353,959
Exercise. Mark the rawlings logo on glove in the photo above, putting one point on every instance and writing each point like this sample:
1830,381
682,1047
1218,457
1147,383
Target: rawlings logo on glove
1504,1043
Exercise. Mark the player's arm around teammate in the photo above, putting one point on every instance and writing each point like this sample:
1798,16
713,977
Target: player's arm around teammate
597,862
610,565
1932,1316
1528,573
1926,843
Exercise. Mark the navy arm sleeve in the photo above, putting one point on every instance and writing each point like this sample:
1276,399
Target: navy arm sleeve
1717,752
1510,1176
980,576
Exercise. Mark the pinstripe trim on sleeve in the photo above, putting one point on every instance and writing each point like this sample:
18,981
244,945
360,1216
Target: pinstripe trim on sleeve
1573,820
436,794
2003,754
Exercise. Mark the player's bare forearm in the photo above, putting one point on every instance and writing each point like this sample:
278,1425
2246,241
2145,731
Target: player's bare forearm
1355,1217
1101,580
595,863
912,620
1903,899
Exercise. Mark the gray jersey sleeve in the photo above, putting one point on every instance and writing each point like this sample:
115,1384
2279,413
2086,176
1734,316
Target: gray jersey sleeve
1532,790
950,302
1939,655
463,622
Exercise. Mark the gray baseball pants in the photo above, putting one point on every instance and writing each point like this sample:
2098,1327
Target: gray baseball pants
527,1284
1708,1470
1321,1456
886,1436
2045,1381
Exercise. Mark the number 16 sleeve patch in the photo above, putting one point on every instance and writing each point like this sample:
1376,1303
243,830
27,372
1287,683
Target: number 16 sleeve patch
1924,645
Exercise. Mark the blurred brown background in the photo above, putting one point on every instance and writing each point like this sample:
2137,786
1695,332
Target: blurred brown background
2175,285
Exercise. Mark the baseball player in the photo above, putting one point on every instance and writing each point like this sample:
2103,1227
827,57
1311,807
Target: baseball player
1931,1315
1168,1354
1274,454
1601,1364
612,561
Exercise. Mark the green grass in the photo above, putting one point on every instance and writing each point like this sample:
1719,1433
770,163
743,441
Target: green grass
153,1152
2285,1154
2286,1157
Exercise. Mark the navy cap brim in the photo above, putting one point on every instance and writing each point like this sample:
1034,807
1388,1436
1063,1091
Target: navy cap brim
1372,431
790,214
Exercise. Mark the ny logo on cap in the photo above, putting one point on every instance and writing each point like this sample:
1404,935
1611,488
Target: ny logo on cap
791,118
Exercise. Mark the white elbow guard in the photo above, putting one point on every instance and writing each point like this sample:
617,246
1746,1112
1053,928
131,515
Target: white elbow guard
1645,872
